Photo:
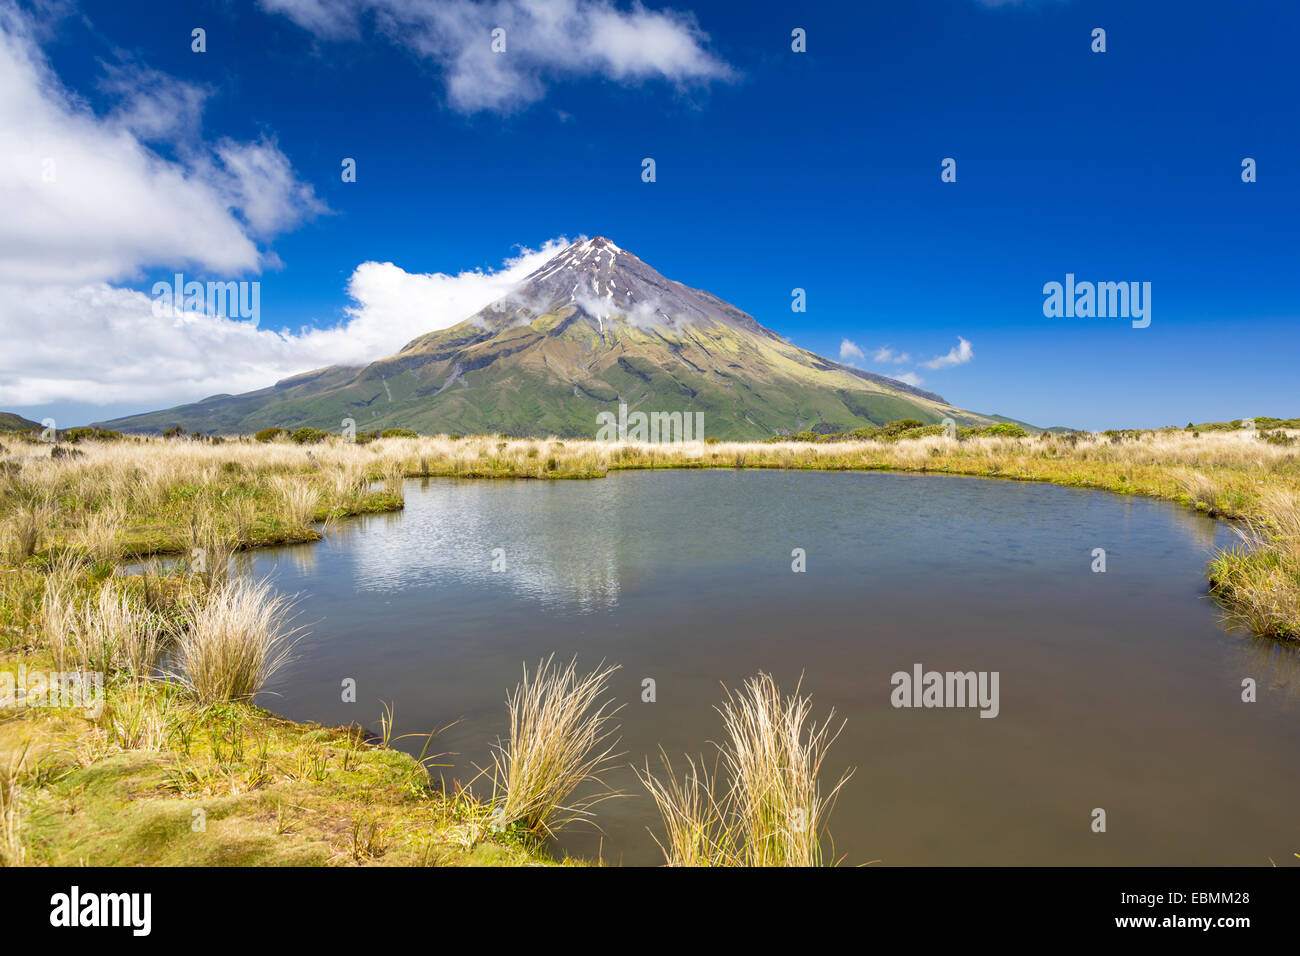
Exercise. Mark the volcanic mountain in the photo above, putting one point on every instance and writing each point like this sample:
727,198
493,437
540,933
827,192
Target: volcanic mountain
593,327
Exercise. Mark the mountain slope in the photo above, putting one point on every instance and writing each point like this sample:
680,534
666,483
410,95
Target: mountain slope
592,327
11,422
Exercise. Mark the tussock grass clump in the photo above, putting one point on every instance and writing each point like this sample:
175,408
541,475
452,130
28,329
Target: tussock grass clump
58,619
1260,579
697,830
774,764
140,721
559,741
394,475
233,641
98,533
11,833
210,548
128,638
109,632
347,485
770,810
298,501
1199,487
23,531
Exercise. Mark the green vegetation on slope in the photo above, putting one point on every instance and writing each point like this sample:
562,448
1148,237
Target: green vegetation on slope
9,422
555,375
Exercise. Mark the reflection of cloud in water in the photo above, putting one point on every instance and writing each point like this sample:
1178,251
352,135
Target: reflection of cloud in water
302,556
556,555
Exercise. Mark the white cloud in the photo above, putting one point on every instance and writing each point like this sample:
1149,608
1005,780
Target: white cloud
336,19
85,204
262,184
545,40
85,200
959,354
393,306
851,350
103,345
909,378
886,354
153,106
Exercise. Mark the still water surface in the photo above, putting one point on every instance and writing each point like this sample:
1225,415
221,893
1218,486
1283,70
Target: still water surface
1119,690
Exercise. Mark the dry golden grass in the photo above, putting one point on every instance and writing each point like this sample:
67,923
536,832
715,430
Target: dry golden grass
774,755
211,547
59,619
97,534
299,500
129,638
233,641
766,806
698,830
143,475
146,496
110,633
1259,580
24,529
559,742
12,852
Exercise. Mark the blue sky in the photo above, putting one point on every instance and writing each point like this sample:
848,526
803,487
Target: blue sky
775,170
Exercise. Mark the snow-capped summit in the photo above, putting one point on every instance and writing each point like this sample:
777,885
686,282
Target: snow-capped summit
608,284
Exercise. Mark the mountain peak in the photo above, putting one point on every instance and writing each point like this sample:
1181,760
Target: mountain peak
585,256
609,286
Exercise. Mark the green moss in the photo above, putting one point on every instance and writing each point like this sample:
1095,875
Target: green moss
246,789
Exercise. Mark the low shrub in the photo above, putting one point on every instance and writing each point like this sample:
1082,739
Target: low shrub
309,436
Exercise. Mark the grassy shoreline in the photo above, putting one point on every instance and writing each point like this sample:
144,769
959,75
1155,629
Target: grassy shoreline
157,780
274,791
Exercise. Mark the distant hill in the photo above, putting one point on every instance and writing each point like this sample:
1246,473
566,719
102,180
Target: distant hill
9,422
1033,429
1262,422
592,328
